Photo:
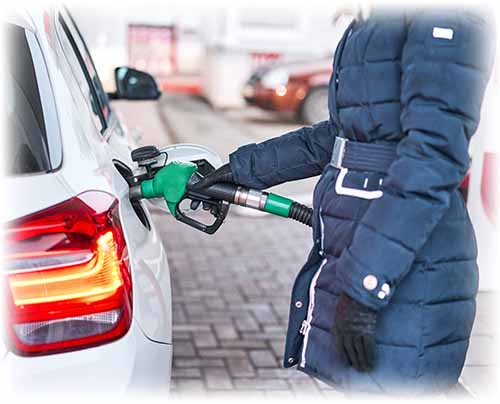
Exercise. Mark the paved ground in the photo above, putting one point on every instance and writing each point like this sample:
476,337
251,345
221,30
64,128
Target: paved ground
231,305
231,290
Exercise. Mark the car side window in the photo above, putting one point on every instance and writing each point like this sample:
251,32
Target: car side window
89,64
30,112
84,78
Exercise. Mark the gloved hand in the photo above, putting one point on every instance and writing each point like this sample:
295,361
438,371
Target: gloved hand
222,174
354,330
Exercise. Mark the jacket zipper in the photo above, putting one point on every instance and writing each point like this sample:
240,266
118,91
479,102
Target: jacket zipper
306,324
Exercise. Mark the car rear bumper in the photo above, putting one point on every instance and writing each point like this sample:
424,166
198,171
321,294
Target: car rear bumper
132,364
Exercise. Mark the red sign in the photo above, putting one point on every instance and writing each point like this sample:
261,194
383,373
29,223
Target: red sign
152,48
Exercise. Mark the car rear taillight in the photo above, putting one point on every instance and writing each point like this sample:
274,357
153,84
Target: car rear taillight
67,278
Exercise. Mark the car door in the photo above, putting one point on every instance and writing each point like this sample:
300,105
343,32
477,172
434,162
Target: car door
152,293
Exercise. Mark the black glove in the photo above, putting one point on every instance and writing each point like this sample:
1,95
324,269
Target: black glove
222,174
354,330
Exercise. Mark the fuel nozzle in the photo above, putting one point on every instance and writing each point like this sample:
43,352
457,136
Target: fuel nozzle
171,183
176,181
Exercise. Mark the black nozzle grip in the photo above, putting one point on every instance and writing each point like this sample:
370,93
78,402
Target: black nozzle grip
221,212
221,191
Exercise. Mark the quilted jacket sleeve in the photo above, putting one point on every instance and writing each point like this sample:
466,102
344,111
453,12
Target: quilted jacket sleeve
295,155
446,64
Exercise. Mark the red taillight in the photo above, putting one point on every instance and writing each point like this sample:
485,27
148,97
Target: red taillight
67,276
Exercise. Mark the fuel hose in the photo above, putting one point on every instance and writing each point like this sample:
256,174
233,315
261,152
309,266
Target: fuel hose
260,200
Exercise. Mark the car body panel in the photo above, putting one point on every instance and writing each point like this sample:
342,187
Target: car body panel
119,367
88,166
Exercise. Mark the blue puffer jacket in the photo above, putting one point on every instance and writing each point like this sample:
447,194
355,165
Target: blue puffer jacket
416,80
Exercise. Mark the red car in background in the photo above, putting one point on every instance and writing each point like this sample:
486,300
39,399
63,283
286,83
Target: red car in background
297,87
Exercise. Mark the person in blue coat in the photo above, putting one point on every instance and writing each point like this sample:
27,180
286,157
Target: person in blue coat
386,300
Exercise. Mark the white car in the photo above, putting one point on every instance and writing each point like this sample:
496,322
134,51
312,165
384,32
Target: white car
87,302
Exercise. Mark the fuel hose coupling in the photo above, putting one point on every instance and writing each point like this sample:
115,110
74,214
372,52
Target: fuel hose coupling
273,204
250,198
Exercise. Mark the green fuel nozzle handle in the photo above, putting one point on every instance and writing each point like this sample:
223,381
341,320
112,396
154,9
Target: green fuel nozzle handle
170,182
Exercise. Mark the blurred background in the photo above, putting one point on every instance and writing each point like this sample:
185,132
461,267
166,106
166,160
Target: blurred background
210,48
233,74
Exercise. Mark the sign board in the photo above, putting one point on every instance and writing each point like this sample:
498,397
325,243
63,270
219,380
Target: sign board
152,48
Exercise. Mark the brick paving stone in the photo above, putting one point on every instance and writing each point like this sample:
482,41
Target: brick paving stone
188,385
215,303
178,298
190,327
225,331
212,320
188,284
243,343
184,348
197,362
281,373
233,296
251,289
240,367
196,310
183,373
275,329
303,384
178,315
246,324
181,336
251,306
221,353
201,293
232,312
218,379
204,340
263,358
261,384
266,315
278,347
262,336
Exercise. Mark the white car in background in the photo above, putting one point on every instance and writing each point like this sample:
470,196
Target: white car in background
87,302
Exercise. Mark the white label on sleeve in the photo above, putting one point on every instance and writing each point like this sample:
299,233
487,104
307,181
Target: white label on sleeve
443,33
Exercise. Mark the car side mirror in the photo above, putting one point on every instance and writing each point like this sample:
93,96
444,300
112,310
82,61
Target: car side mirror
132,84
